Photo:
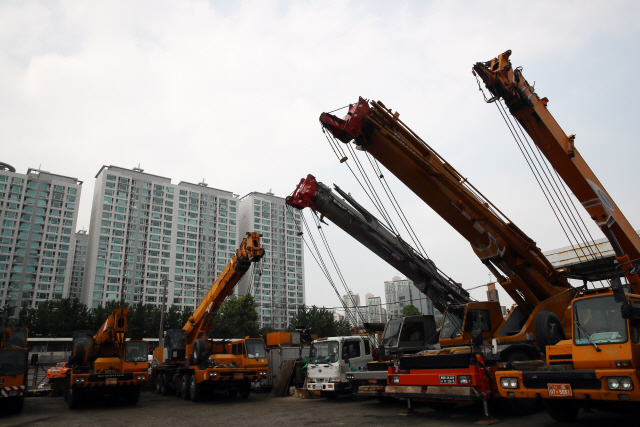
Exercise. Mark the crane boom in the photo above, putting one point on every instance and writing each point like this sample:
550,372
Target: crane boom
518,264
365,228
505,82
201,321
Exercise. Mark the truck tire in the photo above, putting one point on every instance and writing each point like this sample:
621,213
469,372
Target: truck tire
199,351
232,392
132,395
563,411
185,386
158,383
74,398
195,389
17,404
164,384
244,391
548,329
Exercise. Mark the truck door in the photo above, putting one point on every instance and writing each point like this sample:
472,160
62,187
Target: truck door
354,355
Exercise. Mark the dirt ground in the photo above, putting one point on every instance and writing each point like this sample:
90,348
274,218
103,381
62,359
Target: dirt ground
260,409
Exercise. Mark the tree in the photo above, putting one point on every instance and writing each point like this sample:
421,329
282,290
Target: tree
237,318
410,310
319,321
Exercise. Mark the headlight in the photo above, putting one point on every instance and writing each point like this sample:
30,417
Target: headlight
509,382
394,379
262,373
464,379
213,374
78,380
620,383
336,380
141,377
311,380
613,383
349,376
626,383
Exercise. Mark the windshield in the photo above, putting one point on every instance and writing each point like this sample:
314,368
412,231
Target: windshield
18,338
599,319
412,331
12,362
452,323
324,352
390,335
136,351
255,349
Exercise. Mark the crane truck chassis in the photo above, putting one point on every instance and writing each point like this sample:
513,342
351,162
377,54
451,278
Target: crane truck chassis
190,365
598,365
106,363
13,365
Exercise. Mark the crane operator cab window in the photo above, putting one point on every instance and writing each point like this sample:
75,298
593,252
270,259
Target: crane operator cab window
12,362
598,320
175,341
18,338
255,349
136,351
452,323
477,320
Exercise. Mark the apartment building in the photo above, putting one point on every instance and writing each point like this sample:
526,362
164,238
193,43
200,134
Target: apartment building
402,292
145,229
38,217
279,287
79,259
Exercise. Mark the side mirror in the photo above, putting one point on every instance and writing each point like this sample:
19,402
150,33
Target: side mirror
618,292
494,346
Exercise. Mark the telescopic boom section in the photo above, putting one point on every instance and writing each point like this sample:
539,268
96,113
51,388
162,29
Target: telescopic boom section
113,329
505,82
201,320
518,264
364,227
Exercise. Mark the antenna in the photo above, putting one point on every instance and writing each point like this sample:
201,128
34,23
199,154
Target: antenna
203,184
138,169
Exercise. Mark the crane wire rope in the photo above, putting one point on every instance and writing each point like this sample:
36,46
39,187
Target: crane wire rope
318,258
568,226
561,185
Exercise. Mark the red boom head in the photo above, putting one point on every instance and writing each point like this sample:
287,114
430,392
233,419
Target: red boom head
303,196
349,128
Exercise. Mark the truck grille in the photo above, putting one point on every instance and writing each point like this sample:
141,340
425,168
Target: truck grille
579,380
444,361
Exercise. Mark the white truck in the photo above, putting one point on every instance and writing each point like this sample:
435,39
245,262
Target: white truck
330,360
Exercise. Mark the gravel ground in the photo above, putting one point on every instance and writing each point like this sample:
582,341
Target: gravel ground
260,409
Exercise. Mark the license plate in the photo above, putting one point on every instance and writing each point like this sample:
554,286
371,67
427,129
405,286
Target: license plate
111,381
559,390
238,376
447,379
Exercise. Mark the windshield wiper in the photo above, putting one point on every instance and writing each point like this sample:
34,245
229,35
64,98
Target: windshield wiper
586,335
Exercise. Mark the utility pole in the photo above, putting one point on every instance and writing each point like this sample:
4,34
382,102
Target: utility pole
164,302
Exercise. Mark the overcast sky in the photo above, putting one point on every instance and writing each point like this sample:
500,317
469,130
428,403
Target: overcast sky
231,92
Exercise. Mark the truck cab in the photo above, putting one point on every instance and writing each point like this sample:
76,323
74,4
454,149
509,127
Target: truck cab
332,358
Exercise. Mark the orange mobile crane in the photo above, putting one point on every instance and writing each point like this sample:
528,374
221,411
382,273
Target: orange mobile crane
541,292
107,363
190,364
13,365
600,364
